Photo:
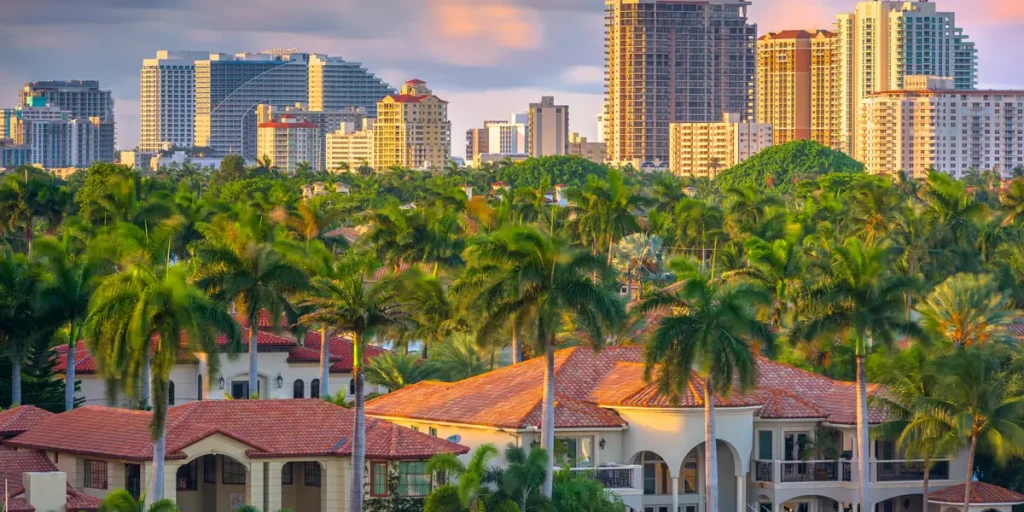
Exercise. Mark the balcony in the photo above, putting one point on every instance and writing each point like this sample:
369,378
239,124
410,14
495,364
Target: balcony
625,481
787,472
909,471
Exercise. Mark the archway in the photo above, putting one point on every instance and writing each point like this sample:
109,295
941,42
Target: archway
657,478
209,483
693,482
302,486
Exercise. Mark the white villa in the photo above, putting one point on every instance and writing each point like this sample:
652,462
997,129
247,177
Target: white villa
650,450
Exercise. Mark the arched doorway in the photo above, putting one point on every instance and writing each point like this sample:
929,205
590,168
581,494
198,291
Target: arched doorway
302,486
210,483
657,478
693,482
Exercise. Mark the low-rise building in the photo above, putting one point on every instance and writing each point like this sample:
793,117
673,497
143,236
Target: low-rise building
704,149
508,137
350,146
288,142
610,421
579,146
929,125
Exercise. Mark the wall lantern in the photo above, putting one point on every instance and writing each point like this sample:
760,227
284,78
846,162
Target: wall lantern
280,381
221,382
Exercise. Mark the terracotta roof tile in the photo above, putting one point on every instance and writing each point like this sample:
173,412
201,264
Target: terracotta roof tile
341,352
19,419
84,360
981,493
314,428
13,464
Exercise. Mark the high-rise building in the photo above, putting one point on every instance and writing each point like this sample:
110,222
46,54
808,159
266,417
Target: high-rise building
931,125
288,142
794,85
55,138
705,149
350,146
327,121
548,128
412,129
882,42
167,100
85,100
336,84
579,146
673,62
477,142
508,137
12,155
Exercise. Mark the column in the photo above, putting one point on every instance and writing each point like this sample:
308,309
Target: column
334,485
256,487
741,493
274,485
204,372
675,494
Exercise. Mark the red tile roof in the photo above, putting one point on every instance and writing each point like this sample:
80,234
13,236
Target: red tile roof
288,126
981,494
14,464
271,428
341,353
84,362
349,234
19,419
613,378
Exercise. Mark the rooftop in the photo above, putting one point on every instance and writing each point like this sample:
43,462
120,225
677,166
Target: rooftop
981,494
13,464
19,419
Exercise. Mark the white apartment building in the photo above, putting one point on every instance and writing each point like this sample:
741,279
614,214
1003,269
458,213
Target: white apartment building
548,128
882,42
167,100
288,142
336,84
54,137
327,121
351,145
704,149
929,125
508,138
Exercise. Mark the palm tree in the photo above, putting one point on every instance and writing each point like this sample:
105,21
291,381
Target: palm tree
712,328
777,266
860,302
349,305
471,476
122,501
976,403
1013,201
542,283
637,256
257,279
460,358
28,193
396,371
432,309
970,309
19,312
145,314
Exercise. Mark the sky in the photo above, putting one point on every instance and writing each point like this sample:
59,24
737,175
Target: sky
488,58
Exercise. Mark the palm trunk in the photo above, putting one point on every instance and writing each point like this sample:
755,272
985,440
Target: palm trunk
927,476
864,464
970,471
325,362
159,447
69,372
517,354
359,434
15,381
547,440
28,234
254,365
710,450
145,380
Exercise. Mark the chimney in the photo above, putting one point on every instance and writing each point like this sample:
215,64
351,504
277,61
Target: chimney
46,491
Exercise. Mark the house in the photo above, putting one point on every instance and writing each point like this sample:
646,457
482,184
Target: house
287,369
273,454
650,449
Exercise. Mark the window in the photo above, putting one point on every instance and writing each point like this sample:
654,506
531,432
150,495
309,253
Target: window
286,474
796,442
352,387
690,474
187,477
764,445
209,469
239,390
311,474
433,432
299,389
413,479
200,388
575,452
170,392
133,480
378,479
232,472
95,474
314,388
764,507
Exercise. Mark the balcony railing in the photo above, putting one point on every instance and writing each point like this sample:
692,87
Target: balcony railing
617,478
764,471
847,467
909,470
810,471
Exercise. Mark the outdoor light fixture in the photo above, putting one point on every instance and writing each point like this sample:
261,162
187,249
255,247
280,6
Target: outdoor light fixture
221,382
280,381
602,443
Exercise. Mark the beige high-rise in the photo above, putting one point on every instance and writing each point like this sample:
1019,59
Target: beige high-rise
412,129
705,149
670,62
882,42
581,147
547,128
794,85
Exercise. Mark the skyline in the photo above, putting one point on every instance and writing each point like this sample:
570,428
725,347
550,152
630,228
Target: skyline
470,52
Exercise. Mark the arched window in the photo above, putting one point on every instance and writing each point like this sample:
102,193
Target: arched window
314,388
200,387
170,392
299,389
352,387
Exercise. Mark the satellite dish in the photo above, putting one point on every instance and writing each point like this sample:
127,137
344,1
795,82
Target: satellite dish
455,439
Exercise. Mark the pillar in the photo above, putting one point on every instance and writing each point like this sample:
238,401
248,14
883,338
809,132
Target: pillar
256,484
334,485
675,494
204,372
274,494
741,493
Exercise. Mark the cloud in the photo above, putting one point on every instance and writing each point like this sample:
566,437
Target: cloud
583,75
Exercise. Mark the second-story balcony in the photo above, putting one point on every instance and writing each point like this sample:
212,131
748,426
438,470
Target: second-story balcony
624,480
787,472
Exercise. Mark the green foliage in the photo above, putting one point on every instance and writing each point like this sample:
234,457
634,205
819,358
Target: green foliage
443,499
553,170
122,501
781,167
577,492
394,502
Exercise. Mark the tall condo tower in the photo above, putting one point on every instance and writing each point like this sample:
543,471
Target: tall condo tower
167,100
669,62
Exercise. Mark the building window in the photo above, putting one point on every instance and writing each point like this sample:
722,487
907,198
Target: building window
299,389
200,388
433,432
133,480
232,472
314,388
574,452
378,479
187,477
413,479
170,392
95,474
210,469
352,387
286,474
311,474
764,445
